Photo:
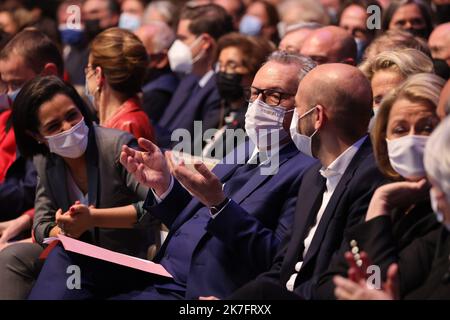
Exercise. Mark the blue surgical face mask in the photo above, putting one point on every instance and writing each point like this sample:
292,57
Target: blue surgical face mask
250,25
88,94
71,36
13,95
129,21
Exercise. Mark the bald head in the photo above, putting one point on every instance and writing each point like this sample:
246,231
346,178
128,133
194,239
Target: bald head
345,94
443,109
330,44
439,42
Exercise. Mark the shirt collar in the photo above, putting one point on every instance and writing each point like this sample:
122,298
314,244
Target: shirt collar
204,80
266,156
340,164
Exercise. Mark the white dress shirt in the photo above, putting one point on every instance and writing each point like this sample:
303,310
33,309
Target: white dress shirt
333,174
204,80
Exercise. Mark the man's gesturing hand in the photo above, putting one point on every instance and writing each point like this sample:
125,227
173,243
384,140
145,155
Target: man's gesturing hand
148,167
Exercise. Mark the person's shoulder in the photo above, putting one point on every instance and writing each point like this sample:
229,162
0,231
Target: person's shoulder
110,136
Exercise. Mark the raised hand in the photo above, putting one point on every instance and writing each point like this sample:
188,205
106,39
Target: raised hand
356,286
396,195
148,167
204,185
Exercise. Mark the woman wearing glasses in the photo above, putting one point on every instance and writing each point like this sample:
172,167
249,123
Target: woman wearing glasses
114,76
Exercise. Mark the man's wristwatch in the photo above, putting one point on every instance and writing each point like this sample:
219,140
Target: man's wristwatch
215,209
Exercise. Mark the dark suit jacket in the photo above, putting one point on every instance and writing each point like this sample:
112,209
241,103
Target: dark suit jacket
424,264
190,103
347,207
110,185
157,94
404,229
241,241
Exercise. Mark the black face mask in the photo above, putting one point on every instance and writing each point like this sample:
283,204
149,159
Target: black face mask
441,68
423,33
442,13
92,28
229,86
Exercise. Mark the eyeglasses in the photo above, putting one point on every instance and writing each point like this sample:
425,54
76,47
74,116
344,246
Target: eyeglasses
87,68
229,67
271,97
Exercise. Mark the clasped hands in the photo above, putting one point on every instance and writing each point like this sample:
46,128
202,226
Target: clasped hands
154,169
75,221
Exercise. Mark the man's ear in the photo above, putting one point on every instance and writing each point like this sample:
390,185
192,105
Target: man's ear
349,61
50,69
320,117
208,42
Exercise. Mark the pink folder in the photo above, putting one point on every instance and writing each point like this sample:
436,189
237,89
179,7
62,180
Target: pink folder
90,250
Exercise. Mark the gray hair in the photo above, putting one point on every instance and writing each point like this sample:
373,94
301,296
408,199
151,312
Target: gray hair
165,8
302,25
304,64
163,35
437,157
303,11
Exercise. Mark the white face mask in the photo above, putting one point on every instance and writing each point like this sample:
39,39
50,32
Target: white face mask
406,155
180,56
302,142
434,206
264,124
71,143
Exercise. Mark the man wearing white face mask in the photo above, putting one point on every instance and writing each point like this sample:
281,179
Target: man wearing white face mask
225,225
333,106
191,56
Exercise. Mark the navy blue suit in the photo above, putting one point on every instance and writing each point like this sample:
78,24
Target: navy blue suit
214,256
17,191
347,207
157,93
189,103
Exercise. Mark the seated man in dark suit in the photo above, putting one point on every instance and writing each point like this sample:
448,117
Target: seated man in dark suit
192,55
160,82
333,108
229,231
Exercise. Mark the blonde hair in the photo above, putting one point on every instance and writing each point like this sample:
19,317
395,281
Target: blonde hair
406,62
123,59
395,40
422,87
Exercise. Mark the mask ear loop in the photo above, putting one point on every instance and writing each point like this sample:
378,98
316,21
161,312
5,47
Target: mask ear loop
200,54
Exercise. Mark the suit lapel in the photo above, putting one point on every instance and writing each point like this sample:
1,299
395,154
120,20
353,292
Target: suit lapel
182,94
285,154
341,188
56,177
312,187
92,168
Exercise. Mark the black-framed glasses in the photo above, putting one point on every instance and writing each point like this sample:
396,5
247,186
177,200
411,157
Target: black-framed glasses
271,97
